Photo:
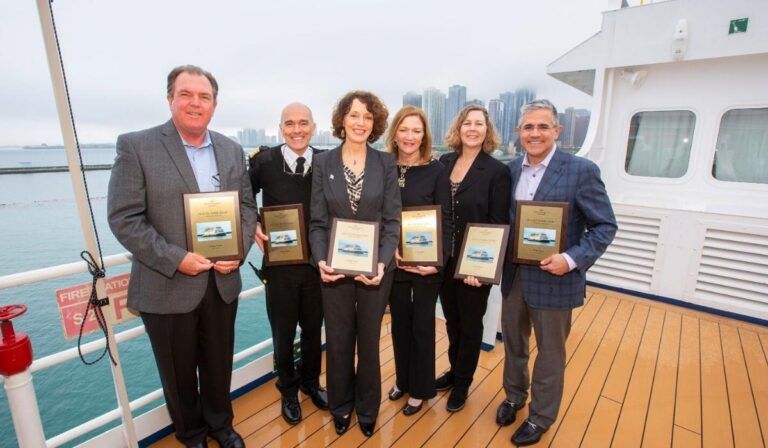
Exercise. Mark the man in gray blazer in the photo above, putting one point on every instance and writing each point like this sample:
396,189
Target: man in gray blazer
543,296
188,303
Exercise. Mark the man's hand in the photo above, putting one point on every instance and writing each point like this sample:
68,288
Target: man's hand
260,237
326,273
472,281
226,267
373,281
193,264
555,264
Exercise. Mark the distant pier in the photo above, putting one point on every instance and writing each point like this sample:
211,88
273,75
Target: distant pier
51,169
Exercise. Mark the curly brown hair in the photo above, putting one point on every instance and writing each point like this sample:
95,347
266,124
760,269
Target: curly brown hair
425,149
453,137
374,106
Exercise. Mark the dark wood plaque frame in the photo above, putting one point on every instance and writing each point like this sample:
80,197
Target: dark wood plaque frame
301,231
438,237
375,259
563,228
501,256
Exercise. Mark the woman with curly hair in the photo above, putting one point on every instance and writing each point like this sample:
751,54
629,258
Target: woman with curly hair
354,181
480,193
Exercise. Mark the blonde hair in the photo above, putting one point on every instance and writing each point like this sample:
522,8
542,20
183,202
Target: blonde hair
425,149
453,137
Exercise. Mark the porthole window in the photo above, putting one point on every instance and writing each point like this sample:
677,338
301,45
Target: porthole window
741,151
659,143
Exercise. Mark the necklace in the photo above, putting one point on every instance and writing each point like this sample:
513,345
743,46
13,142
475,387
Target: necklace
401,179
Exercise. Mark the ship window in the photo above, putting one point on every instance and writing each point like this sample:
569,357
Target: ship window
659,143
741,152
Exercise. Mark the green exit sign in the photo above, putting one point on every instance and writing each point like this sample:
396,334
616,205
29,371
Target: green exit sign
738,26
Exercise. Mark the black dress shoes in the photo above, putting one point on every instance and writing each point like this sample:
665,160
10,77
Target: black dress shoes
318,395
507,412
457,399
444,381
395,394
410,410
229,439
367,428
203,444
527,434
341,424
291,410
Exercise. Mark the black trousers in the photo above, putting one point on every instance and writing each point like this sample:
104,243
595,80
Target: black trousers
293,297
412,307
185,343
464,307
353,313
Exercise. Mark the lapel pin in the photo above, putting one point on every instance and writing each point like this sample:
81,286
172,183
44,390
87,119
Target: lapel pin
331,177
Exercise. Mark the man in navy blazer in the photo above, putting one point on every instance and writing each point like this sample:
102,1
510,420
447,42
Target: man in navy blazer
543,296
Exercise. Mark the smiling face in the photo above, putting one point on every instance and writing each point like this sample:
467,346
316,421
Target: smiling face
538,134
409,136
473,130
192,105
297,127
358,122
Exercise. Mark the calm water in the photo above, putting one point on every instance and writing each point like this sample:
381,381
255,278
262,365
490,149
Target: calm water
41,229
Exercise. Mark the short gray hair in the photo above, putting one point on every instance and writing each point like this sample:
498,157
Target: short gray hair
541,104
194,70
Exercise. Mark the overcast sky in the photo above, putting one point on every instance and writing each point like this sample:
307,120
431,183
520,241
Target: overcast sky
266,54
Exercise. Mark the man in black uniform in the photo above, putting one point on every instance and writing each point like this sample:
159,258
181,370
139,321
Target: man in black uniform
283,174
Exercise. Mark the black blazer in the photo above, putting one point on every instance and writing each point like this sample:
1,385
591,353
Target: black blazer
482,197
379,201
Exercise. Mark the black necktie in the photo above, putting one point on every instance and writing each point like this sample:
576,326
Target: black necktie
299,165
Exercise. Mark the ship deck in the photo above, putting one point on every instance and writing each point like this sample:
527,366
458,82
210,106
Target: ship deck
639,373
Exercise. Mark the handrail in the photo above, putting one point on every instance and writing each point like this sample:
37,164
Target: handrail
80,267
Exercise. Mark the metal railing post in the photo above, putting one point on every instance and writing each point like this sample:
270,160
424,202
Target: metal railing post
68,133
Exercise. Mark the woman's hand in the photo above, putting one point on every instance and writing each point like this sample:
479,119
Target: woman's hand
398,259
373,281
472,281
326,273
421,270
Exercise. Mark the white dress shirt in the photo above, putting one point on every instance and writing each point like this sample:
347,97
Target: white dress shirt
290,158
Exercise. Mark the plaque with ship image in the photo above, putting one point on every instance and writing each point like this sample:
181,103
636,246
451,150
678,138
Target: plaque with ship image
284,226
354,247
482,252
421,236
213,225
540,229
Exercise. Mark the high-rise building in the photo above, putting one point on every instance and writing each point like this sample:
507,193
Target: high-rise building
474,102
457,97
434,107
412,99
513,101
574,123
496,114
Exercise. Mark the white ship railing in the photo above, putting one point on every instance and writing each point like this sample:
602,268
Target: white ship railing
64,270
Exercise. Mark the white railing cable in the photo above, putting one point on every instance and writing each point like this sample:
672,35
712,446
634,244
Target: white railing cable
59,271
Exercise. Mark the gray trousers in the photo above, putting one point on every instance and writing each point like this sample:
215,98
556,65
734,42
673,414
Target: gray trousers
551,328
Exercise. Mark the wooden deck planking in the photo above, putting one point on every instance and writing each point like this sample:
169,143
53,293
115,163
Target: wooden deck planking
634,409
661,410
576,417
674,376
688,397
746,427
715,408
757,367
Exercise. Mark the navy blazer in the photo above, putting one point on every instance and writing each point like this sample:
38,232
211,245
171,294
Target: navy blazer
591,228
379,201
482,196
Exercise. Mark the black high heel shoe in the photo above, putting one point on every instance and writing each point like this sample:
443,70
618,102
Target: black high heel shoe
395,394
409,409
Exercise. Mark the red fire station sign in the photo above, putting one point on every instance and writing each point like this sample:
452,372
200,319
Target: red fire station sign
72,302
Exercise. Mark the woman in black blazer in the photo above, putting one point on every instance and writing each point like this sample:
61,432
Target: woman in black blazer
422,181
480,193
354,181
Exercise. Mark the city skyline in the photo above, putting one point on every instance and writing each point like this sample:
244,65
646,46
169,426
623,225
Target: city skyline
116,76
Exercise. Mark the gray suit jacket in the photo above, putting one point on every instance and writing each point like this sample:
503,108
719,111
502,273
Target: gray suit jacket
379,201
591,228
146,214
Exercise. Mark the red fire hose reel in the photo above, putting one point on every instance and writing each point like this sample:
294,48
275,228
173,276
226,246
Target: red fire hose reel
15,348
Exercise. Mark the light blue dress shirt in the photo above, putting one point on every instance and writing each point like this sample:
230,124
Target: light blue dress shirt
203,161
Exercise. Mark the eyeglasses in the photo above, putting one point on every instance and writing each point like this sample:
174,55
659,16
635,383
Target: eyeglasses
538,127
216,181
